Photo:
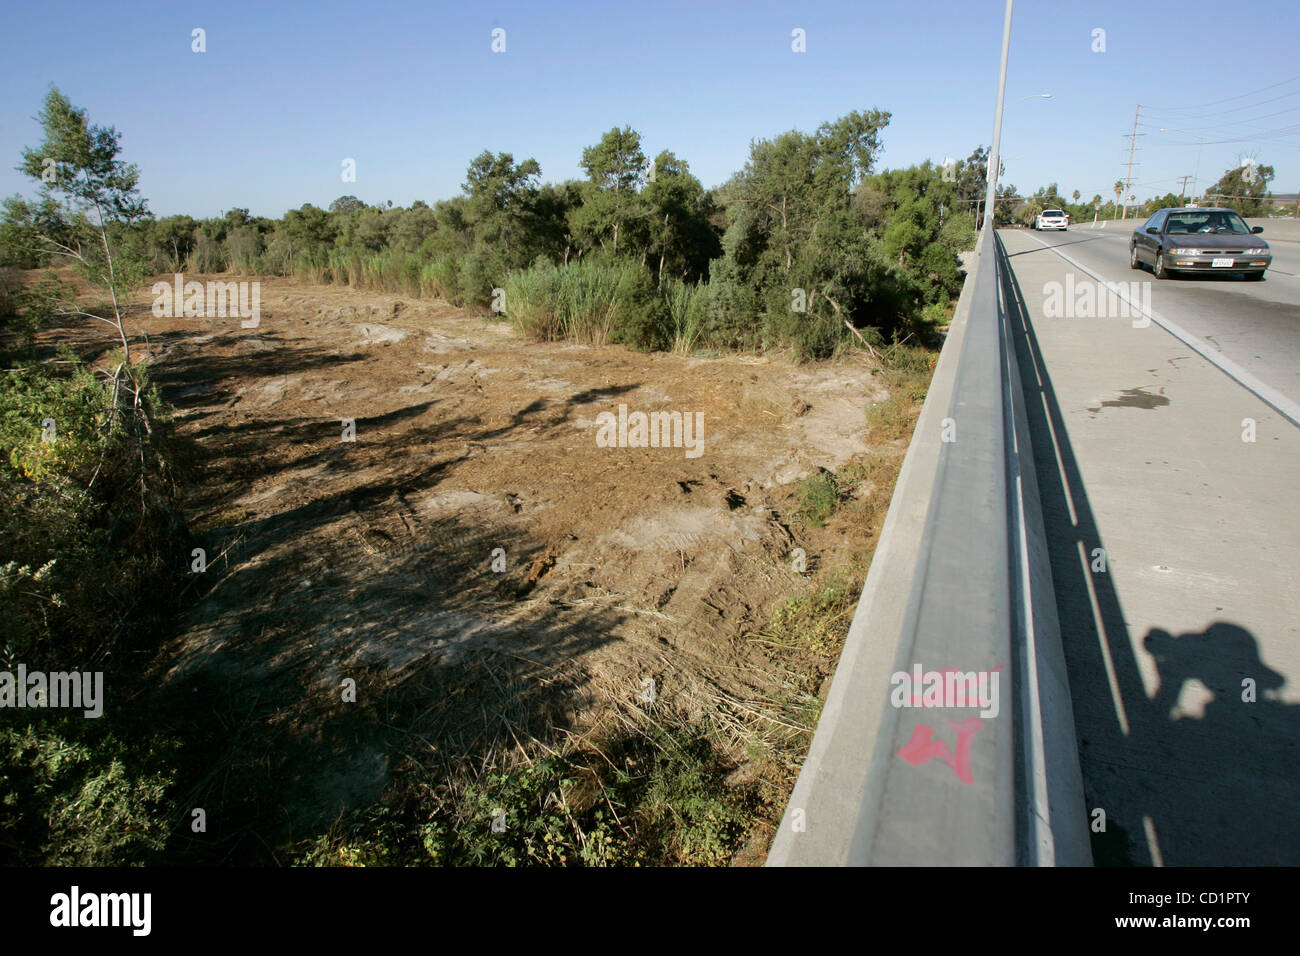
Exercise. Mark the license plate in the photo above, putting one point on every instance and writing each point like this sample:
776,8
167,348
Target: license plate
1221,264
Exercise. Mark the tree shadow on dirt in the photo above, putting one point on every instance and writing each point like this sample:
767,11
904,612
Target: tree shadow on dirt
346,639
450,665
453,661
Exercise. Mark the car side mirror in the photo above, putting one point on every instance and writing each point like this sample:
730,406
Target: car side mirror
1153,230
1257,229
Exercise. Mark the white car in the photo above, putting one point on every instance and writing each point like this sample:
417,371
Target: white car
1051,219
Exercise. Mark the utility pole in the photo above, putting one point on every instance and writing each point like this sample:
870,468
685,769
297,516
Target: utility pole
1182,190
1132,144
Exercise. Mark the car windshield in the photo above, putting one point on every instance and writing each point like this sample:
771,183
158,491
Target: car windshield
1053,212
1188,223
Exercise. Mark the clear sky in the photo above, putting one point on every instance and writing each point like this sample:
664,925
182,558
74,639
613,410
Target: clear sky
412,91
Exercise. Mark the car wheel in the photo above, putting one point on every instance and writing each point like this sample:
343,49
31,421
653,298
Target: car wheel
1160,271
1133,261
1254,276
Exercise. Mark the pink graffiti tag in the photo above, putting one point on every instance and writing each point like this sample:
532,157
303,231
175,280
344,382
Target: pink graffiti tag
922,748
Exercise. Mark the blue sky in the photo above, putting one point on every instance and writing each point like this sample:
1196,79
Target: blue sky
412,91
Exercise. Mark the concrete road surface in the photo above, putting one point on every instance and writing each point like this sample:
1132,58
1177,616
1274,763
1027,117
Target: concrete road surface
1169,465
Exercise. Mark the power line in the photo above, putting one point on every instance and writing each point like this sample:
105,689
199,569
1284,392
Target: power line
1217,114
1228,99
1251,119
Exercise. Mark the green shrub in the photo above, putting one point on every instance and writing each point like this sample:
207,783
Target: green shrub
314,265
24,309
639,321
481,270
90,548
208,256
441,278
686,307
11,289
808,335
89,524
693,818
73,794
587,302
818,495
653,796
345,267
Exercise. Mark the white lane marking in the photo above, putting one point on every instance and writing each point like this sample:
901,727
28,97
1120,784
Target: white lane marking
1103,641
1149,827
1267,393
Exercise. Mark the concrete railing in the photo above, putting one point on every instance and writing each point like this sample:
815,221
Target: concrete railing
1278,230
907,772
1275,230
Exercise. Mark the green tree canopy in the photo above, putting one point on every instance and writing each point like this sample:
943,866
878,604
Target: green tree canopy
1243,188
616,169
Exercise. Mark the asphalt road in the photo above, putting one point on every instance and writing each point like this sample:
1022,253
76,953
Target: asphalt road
1168,460
1255,324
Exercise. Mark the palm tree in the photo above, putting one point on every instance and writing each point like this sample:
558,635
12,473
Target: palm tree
1119,191
1096,206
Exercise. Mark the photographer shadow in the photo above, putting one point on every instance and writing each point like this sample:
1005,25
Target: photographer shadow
1225,778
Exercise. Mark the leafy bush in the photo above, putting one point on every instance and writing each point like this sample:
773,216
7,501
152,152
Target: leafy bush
89,544
818,495
696,821
658,796
89,528
26,308
818,619
74,794
11,289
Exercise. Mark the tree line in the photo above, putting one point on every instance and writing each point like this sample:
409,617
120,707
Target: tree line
807,248
1243,188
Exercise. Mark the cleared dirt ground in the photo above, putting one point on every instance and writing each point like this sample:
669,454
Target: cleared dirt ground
372,560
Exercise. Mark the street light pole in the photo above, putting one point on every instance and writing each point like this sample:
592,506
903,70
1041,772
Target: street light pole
995,160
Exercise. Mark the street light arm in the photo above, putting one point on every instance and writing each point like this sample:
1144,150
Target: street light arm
995,159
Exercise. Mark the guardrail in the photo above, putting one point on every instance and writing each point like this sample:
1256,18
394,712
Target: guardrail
1279,229
1275,230
959,595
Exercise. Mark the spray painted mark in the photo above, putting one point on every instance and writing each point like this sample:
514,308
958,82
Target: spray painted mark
922,748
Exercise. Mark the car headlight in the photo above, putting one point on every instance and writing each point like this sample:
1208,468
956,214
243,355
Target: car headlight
1256,252
1187,252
